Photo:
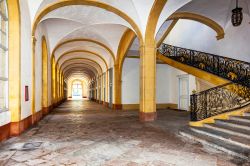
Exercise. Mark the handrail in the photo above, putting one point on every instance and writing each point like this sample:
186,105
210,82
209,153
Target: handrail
231,69
218,100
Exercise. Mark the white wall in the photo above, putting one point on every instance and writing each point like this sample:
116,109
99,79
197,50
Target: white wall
174,84
197,36
162,84
40,32
130,81
38,70
166,83
4,118
26,59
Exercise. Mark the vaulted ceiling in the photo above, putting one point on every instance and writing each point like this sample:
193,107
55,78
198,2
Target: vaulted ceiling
84,37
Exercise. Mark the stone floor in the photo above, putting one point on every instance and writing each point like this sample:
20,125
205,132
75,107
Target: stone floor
87,134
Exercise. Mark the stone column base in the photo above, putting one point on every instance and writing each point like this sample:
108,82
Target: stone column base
148,117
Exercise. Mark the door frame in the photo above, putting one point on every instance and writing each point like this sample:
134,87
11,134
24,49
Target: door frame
179,86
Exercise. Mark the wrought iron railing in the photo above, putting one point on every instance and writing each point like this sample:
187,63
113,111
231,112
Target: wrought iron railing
231,69
218,100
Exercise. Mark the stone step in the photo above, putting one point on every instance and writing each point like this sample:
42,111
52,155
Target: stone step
240,118
247,114
234,123
221,145
229,130
229,138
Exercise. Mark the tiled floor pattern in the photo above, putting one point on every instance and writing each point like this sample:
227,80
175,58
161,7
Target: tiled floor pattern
87,134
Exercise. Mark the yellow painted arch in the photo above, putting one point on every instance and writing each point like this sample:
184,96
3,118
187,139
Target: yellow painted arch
69,68
87,40
124,45
84,71
82,75
90,71
94,3
82,59
153,18
202,19
83,51
95,63
83,65
72,78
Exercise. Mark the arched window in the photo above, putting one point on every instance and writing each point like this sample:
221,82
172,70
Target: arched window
3,56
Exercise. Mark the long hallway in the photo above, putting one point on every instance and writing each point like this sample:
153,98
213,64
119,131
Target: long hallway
82,132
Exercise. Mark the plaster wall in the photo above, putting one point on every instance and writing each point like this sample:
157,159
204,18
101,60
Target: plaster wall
26,59
162,84
41,31
166,83
4,118
38,70
197,36
130,81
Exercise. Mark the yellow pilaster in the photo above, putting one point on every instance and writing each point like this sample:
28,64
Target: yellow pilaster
53,73
107,86
33,109
62,86
44,74
57,83
148,65
117,86
14,60
147,82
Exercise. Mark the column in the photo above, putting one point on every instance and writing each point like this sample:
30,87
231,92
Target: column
147,83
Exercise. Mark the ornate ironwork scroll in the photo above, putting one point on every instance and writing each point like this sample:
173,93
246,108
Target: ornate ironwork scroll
231,69
219,100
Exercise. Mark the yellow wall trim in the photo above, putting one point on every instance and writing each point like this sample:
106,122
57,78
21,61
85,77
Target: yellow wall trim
166,33
14,60
82,59
124,45
44,73
86,40
158,106
94,3
194,71
202,19
83,51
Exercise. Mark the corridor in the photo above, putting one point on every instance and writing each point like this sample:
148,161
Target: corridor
82,132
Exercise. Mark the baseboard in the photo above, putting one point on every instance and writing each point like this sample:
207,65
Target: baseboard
158,106
16,128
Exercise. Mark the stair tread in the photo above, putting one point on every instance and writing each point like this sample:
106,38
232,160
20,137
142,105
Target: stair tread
234,122
237,149
247,132
227,136
242,117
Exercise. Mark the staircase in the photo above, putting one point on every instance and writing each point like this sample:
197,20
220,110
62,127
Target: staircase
231,136
230,69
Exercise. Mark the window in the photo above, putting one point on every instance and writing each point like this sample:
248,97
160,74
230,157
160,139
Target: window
77,89
3,56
